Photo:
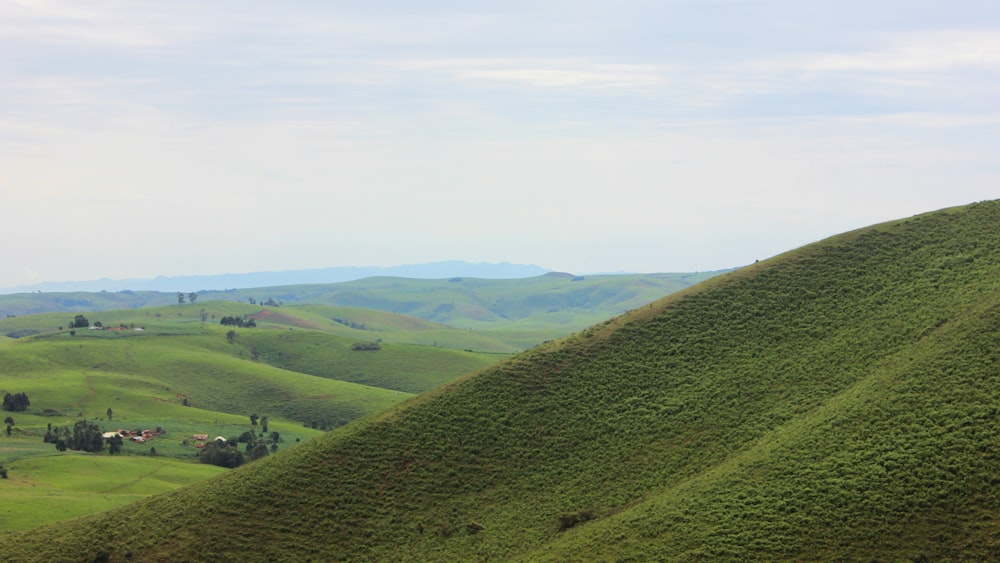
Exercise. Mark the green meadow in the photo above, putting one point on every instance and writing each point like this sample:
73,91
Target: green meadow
46,487
184,373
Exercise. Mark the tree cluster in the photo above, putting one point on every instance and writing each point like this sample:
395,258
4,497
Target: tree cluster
85,436
222,455
238,322
79,321
350,324
16,402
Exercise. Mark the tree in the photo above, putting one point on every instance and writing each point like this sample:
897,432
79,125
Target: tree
192,297
79,321
180,297
109,413
258,451
231,336
240,322
16,402
115,444
253,419
9,420
87,436
263,424
222,455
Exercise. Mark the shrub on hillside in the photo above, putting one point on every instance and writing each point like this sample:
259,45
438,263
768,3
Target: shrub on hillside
239,322
569,519
15,402
22,333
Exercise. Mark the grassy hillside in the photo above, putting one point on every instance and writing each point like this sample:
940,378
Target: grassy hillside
836,402
549,301
187,376
536,309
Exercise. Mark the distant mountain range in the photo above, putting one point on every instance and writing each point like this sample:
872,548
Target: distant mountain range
433,270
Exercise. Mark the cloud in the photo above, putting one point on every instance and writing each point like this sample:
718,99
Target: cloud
925,51
544,73
98,23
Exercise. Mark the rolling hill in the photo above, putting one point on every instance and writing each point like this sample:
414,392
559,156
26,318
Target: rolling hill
540,307
178,369
839,401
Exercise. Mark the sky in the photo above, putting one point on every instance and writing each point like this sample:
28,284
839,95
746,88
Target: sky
147,138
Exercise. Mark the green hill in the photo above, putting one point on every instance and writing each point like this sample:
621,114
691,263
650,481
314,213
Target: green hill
541,307
836,402
185,373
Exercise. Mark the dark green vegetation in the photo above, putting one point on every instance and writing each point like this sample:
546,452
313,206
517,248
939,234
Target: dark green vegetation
841,401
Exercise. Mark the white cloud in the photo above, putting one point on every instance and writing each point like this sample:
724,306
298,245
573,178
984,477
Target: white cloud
925,51
542,73
95,23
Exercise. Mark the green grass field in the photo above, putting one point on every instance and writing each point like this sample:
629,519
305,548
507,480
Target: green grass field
49,487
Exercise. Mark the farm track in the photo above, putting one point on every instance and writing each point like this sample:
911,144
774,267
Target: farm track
90,392
134,481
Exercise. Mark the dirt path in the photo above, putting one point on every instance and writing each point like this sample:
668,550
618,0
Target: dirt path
136,480
90,393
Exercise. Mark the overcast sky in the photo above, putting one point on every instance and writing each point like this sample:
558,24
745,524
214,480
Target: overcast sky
189,137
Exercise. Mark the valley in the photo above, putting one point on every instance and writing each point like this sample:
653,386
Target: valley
303,369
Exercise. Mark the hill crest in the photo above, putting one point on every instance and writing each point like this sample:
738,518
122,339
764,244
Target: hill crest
217,282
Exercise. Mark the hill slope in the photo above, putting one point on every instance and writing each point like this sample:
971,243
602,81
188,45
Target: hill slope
548,305
838,401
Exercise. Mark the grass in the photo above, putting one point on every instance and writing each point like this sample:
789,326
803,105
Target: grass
185,376
51,488
181,372
544,306
835,402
